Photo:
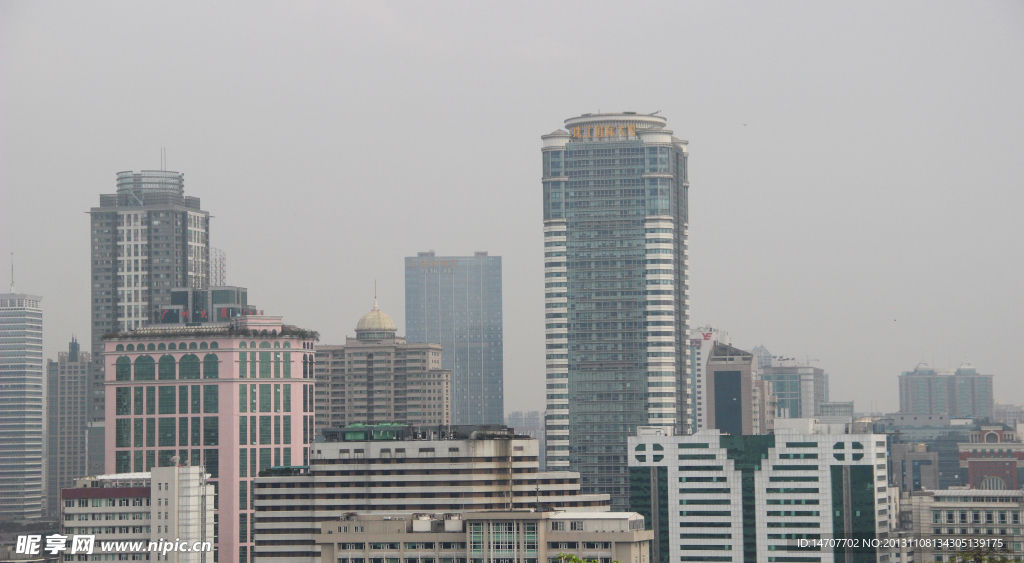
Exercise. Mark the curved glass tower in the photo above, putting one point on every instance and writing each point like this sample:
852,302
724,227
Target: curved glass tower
616,294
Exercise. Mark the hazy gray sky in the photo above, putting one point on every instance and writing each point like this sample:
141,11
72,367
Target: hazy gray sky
857,169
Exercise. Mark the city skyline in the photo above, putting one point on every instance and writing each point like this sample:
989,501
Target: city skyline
775,149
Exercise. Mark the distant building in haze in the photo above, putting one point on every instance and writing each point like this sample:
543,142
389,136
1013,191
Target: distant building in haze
377,377
800,388
455,301
962,393
739,403
146,240
67,414
702,340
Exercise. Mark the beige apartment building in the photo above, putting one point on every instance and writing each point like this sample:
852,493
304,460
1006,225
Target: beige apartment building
377,377
501,537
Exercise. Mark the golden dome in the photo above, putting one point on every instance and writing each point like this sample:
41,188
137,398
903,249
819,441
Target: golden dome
376,320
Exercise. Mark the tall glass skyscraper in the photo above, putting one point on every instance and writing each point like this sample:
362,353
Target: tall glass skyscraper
616,294
455,301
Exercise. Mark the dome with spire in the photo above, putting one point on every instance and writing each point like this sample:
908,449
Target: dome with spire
375,325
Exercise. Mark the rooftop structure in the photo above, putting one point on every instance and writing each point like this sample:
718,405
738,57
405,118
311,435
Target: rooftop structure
959,393
67,412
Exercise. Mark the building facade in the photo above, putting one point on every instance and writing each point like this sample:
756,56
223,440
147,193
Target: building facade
959,513
166,503
616,288
67,414
738,401
702,340
994,458
799,389
515,537
745,498
959,393
377,377
214,304
455,301
21,420
401,469
236,398
913,468
146,239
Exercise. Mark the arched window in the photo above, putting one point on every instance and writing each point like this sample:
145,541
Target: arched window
166,366
192,346
305,366
287,344
145,368
242,344
203,345
172,346
130,347
149,347
161,346
188,367
211,365
124,368
214,345
277,344
119,348
252,344
182,346
264,344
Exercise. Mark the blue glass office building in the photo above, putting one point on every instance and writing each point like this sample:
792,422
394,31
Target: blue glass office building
616,295
455,301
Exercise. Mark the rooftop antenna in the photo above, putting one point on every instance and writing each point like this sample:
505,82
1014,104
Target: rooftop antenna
375,295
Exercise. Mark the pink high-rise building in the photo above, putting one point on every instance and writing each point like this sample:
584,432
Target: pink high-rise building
234,397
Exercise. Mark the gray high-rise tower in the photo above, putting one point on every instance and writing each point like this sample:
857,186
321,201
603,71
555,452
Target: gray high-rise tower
21,418
147,239
455,301
616,294
67,408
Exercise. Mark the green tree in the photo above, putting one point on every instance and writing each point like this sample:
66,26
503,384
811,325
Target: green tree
573,558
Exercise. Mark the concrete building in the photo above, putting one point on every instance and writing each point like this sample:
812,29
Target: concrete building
377,377
961,393
939,435
146,239
386,469
747,498
616,307
529,423
22,466
738,402
455,301
67,413
702,340
520,536
1011,415
944,514
166,503
913,468
215,304
236,398
800,389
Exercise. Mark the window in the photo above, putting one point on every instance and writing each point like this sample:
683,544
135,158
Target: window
211,366
145,368
168,399
265,397
557,526
210,430
265,430
167,432
167,367
123,432
287,407
123,401
210,399
576,525
188,367
123,368
243,398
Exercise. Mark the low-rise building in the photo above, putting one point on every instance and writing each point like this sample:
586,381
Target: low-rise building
392,469
166,503
518,536
951,513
